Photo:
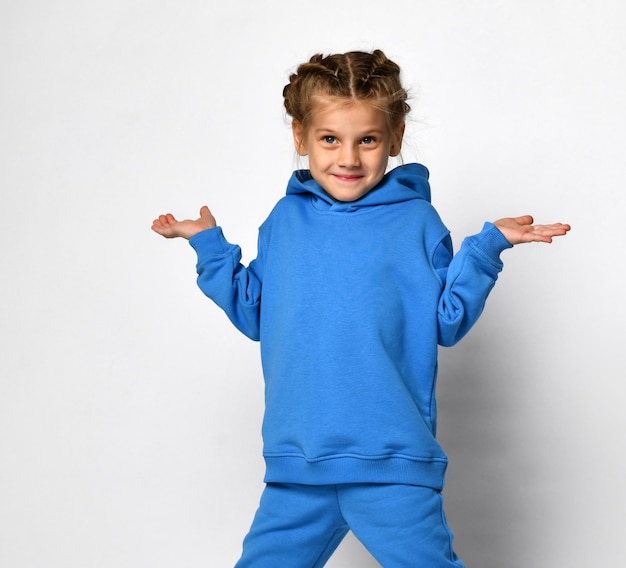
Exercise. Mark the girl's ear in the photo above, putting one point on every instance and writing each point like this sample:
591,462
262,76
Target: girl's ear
299,138
396,141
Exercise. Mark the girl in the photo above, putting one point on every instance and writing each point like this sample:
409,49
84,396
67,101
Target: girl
354,287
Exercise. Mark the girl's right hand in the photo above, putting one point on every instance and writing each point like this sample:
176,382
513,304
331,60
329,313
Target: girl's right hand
169,227
518,230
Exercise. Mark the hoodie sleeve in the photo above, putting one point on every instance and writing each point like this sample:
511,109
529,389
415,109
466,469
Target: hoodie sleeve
221,276
468,278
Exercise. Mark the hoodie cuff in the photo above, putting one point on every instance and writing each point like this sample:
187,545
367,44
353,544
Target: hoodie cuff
209,240
490,242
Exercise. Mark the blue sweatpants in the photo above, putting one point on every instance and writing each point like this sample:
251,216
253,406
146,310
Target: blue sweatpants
300,526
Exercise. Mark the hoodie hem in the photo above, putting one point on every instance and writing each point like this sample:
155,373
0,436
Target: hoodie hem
428,472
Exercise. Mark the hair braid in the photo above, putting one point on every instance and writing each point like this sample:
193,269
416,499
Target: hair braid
355,75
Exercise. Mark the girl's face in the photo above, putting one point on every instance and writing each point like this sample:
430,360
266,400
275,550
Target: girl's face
348,144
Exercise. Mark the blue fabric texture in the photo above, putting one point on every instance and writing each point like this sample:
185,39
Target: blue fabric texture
350,302
300,526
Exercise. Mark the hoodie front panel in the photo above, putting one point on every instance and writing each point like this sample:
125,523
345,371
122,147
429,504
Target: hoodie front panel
349,335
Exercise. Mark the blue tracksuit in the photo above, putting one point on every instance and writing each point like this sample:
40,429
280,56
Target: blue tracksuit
350,301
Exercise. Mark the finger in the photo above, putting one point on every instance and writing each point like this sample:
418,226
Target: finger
525,220
158,227
553,229
561,228
205,213
545,233
207,216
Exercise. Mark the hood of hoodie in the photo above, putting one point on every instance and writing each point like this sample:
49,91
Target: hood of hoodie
403,183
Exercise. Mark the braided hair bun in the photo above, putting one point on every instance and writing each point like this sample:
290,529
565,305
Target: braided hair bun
354,75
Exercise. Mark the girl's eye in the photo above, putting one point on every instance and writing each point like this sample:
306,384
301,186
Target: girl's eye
329,139
368,140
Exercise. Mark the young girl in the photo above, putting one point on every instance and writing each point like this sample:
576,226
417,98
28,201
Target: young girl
354,287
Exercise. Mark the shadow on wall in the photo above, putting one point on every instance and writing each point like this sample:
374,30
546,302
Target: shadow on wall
482,422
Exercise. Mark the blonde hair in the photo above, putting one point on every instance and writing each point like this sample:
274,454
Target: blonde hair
355,75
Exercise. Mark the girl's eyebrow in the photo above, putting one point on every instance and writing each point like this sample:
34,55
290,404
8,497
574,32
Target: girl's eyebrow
363,132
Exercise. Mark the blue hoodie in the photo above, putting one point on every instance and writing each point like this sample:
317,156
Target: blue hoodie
350,301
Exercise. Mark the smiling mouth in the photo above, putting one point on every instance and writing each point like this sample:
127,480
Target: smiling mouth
348,178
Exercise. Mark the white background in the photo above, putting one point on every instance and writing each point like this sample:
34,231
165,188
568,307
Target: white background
130,408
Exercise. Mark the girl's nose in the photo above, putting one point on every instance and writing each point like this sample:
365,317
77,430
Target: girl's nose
349,156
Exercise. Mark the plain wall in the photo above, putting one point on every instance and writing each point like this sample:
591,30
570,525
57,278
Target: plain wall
130,409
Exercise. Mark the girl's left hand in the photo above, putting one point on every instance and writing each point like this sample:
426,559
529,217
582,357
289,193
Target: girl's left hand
169,227
518,230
